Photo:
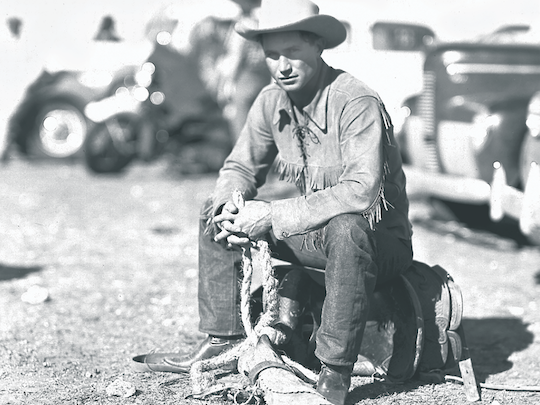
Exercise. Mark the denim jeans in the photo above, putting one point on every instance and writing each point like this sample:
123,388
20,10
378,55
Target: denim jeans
355,259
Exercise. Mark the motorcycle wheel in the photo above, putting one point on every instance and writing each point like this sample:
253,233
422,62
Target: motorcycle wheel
61,128
111,145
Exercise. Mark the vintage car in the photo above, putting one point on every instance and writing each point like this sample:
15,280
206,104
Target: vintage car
50,120
473,134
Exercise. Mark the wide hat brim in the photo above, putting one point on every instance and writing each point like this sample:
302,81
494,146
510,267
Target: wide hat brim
326,26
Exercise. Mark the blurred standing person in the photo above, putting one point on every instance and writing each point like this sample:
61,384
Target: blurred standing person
9,34
107,30
232,68
15,27
23,60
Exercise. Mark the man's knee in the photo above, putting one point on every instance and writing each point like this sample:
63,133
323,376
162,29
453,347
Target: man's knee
348,227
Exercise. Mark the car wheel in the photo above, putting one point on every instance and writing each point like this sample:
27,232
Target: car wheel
60,129
111,145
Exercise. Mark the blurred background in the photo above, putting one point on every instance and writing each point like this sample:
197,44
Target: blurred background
98,259
58,35
108,81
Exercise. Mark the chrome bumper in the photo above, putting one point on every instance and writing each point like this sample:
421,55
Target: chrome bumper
503,199
101,110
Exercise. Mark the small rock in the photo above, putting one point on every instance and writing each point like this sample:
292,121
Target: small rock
120,388
35,295
92,373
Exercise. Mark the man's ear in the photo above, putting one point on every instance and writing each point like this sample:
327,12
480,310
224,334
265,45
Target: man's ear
321,43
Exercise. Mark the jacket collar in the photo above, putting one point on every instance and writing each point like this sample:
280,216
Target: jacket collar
317,109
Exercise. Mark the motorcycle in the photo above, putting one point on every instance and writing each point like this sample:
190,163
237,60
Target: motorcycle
162,109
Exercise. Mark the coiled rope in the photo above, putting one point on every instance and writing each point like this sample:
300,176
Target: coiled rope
203,372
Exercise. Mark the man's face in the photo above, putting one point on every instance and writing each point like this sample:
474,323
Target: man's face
292,61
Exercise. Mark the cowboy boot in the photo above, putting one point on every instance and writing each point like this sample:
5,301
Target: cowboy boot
334,383
212,346
291,296
289,315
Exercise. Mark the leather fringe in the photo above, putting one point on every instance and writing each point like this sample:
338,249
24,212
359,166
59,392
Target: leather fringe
313,240
374,213
307,178
206,214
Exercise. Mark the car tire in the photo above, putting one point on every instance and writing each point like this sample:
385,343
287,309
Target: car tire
60,128
111,145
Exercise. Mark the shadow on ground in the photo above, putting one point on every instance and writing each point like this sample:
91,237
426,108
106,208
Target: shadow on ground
473,224
13,272
491,342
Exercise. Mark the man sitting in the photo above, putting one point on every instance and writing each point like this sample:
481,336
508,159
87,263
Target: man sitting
330,134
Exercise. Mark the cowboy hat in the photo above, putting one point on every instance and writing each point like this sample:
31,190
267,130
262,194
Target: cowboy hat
294,15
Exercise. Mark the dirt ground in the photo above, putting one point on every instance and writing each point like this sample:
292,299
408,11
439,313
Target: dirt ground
94,270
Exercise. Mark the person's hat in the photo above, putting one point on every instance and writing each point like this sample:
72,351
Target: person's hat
294,15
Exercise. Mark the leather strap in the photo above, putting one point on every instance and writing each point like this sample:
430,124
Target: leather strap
255,371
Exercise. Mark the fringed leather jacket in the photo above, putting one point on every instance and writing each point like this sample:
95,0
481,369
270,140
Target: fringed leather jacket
339,151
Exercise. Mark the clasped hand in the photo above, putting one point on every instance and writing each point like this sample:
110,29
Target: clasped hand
240,225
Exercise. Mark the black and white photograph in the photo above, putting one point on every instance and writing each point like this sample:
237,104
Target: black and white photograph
269,202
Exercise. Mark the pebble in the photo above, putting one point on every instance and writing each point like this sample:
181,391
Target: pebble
35,295
120,388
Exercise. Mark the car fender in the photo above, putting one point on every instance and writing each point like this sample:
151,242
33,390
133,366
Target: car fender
530,153
504,142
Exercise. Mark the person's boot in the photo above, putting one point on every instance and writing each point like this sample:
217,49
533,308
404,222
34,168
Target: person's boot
212,346
181,362
292,295
289,314
334,383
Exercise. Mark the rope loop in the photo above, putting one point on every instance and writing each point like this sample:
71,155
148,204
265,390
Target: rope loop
264,325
